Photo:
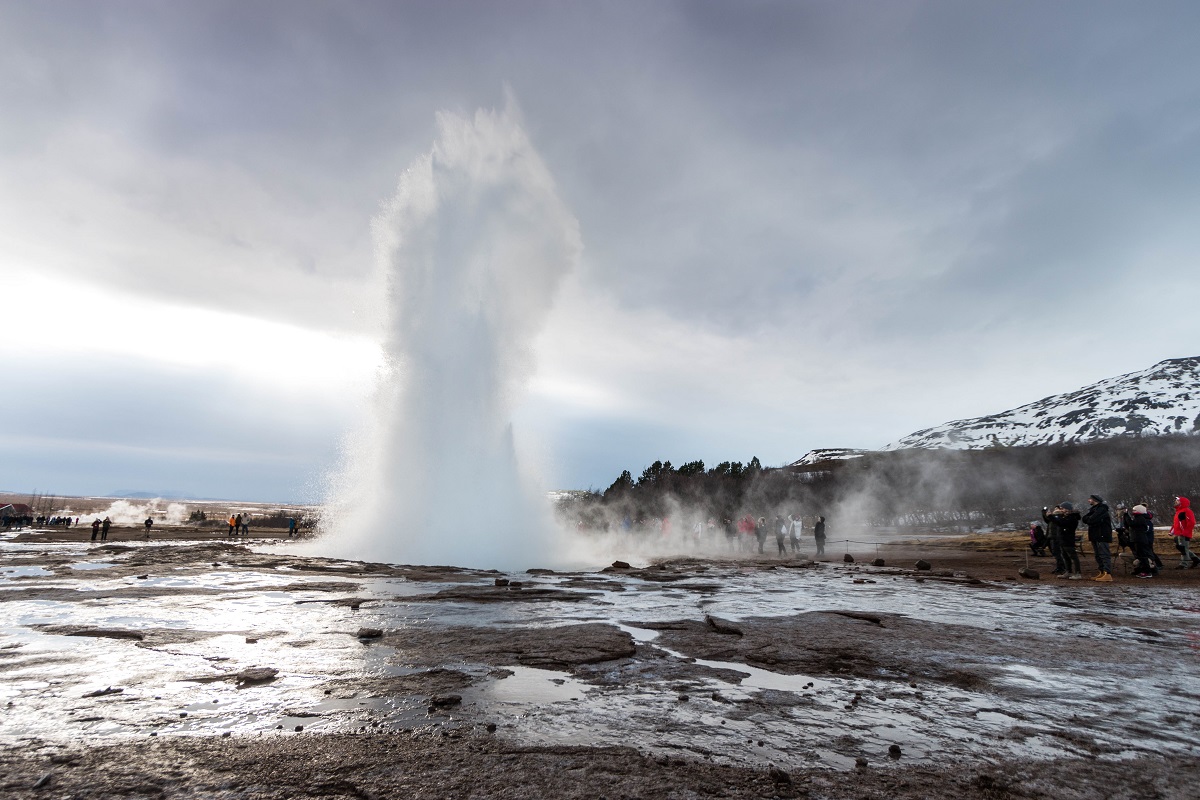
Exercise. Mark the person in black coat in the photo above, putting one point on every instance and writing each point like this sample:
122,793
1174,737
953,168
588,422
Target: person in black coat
1141,534
1099,522
1066,519
1055,537
819,535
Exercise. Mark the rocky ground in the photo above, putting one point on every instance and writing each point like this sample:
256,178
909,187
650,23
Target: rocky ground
214,669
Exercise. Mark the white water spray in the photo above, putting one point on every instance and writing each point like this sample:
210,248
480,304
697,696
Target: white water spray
474,245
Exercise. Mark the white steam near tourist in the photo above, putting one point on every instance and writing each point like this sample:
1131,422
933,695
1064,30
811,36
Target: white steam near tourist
473,248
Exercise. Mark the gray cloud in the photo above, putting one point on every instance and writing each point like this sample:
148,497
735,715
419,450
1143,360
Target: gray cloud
866,185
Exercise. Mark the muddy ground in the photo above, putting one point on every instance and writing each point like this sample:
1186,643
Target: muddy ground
233,669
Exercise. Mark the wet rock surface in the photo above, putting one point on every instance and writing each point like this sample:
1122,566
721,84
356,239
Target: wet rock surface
216,669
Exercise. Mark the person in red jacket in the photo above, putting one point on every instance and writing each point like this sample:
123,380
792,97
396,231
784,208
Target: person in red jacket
1181,528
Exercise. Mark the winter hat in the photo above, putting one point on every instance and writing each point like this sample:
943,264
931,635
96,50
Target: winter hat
1097,498
1139,509
1067,505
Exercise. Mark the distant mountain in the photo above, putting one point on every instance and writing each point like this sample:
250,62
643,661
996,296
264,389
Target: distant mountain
1162,399
827,454
166,494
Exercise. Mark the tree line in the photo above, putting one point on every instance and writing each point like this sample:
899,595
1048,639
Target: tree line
915,488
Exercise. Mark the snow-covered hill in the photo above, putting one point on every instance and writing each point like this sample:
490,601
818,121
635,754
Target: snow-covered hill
1162,399
828,454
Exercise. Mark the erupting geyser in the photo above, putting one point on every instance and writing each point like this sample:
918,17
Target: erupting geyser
474,245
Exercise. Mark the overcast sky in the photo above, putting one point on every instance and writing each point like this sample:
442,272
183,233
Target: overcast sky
805,224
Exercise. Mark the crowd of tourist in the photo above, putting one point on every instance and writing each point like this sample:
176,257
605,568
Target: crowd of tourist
1058,533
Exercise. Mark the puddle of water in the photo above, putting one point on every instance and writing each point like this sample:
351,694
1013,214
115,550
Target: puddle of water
24,572
84,565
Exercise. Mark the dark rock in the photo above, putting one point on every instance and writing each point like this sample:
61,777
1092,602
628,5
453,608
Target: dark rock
491,727
369,633
620,565
683,698
923,564
863,615
894,751
539,571
299,728
864,580
1029,572
43,781
778,775
515,584
879,562
721,626
860,762
444,700
142,577
849,559
182,714
103,692
257,675
226,734
251,640
84,630
502,581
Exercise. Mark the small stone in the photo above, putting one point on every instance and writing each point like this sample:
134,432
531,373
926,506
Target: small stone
251,640
683,698
1030,573
491,727
778,775
369,633
849,559
621,565
299,728
894,751
515,584
257,675
443,700
923,564
226,734
154,733
43,781
879,562
860,762
182,714
502,581
142,577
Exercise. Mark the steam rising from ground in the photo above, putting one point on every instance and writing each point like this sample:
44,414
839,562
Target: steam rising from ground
123,512
473,245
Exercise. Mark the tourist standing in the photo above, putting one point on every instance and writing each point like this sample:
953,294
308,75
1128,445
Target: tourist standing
794,530
104,526
1060,564
233,525
291,527
1182,526
760,532
781,529
1066,519
819,535
1099,523
149,525
1141,536
95,528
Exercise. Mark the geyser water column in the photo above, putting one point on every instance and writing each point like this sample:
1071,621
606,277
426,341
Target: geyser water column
474,245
